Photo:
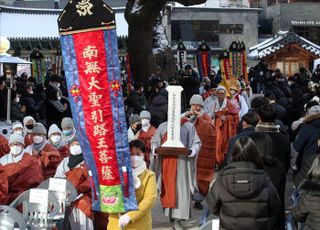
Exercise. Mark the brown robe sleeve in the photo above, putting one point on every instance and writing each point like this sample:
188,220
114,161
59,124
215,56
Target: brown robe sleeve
50,159
4,146
19,177
64,151
80,179
206,157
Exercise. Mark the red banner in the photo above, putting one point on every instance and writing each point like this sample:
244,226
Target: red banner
95,92
226,68
204,60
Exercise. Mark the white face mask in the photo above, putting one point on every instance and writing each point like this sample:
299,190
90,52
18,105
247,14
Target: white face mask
17,99
55,138
15,150
19,132
75,150
38,139
136,161
145,122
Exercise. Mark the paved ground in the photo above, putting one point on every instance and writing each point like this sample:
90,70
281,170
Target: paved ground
161,222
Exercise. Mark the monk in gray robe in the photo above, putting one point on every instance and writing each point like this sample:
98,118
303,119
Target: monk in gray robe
176,175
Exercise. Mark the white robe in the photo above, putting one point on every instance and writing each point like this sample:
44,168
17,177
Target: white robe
131,135
186,170
9,158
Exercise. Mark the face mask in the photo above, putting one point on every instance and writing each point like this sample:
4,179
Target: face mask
38,139
15,150
136,161
75,150
67,132
17,99
138,127
29,126
30,92
55,138
18,132
145,122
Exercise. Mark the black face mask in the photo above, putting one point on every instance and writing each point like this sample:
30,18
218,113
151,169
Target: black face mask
29,126
138,127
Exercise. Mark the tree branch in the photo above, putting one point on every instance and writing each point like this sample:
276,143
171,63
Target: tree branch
190,2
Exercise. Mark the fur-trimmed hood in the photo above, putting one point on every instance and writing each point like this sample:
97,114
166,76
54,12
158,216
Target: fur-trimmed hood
310,186
267,127
311,118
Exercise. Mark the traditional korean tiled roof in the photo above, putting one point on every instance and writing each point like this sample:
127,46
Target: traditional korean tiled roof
278,42
24,23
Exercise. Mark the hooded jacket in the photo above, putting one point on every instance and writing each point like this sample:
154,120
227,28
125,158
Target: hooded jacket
308,208
306,141
244,198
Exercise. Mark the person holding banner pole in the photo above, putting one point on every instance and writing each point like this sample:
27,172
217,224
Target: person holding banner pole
146,193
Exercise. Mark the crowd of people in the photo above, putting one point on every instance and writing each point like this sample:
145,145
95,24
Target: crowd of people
242,146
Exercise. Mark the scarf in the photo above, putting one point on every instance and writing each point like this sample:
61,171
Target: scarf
216,105
267,127
145,128
74,160
40,147
136,173
67,139
58,145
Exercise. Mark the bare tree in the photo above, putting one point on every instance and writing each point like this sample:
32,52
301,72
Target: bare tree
149,50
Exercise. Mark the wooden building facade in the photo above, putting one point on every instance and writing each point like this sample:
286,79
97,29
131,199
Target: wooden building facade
286,51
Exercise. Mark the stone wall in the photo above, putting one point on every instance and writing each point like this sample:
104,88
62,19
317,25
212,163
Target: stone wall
247,17
285,15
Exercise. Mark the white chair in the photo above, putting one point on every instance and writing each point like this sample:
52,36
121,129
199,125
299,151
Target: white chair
64,198
37,215
11,218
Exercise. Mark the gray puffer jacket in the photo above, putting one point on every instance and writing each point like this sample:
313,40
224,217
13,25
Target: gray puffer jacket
308,208
244,198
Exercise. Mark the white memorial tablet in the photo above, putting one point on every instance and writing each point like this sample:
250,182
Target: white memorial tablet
57,185
174,117
39,196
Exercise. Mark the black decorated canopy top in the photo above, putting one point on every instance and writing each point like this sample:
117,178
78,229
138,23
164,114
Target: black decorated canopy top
224,55
234,47
85,15
203,46
181,46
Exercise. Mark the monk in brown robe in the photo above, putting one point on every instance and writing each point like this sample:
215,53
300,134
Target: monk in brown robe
206,158
226,120
146,133
74,169
55,139
18,171
48,156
